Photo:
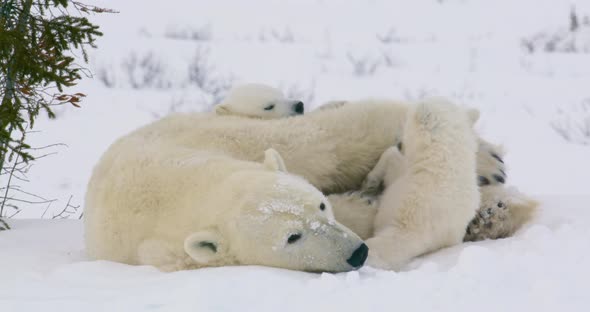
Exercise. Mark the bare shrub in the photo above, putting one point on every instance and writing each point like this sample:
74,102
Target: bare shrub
176,105
67,212
298,92
4,225
106,76
574,125
284,35
573,39
388,59
13,194
419,93
363,65
203,75
145,72
200,33
390,36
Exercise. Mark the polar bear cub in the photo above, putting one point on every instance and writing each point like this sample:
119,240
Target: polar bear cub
502,211
435,196
259,101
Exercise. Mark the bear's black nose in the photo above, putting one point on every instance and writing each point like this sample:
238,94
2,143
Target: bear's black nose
358,256
299,107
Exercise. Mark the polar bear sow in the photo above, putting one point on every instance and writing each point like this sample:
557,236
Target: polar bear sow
206,209
258,101
332,149
186,191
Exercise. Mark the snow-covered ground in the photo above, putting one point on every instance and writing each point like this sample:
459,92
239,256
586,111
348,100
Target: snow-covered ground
543,268
179,55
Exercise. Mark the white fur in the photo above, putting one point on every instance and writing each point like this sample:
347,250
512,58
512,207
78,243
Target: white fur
429,206
257,101
355,211
333,149
191,178
188,210
502,210
332,105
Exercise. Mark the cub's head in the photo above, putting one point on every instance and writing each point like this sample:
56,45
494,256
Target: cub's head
281,221
258,101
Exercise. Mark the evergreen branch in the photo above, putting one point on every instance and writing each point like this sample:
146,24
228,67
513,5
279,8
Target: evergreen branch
37,41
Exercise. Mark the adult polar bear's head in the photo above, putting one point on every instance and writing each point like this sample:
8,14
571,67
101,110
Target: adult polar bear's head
282,221
260,101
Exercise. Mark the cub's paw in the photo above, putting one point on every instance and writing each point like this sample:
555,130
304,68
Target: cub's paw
389,168
359,197
372,187
491,169
503,210
490,222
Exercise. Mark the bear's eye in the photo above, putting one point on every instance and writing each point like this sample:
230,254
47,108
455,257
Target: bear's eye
322,206
293,238
269,107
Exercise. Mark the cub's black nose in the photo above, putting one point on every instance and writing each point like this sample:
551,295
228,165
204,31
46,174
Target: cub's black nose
358,256
299,109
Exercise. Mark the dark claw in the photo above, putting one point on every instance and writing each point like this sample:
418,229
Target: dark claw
502,172
400,146
497,157
483,181
499,178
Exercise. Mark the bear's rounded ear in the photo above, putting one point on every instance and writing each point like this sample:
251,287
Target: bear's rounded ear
274,161
205,246
473,114
222,109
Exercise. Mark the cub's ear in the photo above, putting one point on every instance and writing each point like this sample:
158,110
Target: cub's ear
222,109
274,161
473,114
205,246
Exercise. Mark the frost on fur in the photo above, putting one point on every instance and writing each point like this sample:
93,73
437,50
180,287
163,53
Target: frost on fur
178,220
